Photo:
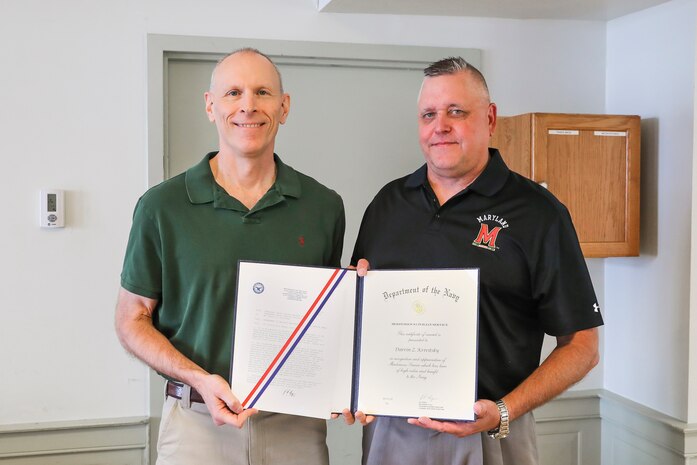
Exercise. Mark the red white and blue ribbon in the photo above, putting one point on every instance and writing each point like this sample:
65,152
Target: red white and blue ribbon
295,337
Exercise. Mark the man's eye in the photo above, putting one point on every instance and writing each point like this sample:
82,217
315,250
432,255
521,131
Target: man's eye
456,112
233,93
264,92
428,115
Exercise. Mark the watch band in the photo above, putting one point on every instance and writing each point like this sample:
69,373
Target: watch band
502,430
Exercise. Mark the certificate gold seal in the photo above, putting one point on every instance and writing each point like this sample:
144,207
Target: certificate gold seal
418,307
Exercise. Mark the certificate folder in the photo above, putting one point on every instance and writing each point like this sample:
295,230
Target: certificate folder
313,340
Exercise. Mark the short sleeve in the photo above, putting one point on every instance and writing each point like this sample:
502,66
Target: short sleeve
142,266
562,285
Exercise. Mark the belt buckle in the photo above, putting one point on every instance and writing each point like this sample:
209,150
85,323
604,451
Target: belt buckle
186,396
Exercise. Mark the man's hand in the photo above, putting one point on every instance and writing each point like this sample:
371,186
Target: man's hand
222,404
137,334
350,419
488,418
361,267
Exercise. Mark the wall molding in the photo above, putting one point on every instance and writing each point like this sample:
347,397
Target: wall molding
591,427
637,435
569,429
83,442
595,427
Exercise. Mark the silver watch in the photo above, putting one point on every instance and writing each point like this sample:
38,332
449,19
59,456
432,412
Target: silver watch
502,430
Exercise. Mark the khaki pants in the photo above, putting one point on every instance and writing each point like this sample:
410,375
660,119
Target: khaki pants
519,448
188,436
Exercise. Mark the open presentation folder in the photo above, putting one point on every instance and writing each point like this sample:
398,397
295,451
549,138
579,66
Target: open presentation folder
311,341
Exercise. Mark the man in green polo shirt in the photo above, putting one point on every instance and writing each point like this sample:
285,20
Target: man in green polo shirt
175,306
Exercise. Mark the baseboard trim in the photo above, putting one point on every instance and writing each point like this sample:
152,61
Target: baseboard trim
626,432
646,432
571,406
589,427
569,429
116,440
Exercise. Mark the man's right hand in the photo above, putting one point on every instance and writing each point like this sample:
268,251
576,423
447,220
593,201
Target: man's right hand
134,327
222,404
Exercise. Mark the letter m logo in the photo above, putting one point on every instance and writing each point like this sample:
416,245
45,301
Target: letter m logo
487,239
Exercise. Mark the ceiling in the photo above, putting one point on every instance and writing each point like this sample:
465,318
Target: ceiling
594,10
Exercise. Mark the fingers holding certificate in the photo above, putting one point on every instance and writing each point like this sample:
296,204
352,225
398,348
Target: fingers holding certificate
311,341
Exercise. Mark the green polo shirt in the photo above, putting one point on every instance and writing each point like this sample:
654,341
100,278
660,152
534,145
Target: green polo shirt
188,235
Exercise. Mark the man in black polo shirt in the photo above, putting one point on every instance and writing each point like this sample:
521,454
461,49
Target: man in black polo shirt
464,208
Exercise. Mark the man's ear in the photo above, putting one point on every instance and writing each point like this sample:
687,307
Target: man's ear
209,106
492,118
285,108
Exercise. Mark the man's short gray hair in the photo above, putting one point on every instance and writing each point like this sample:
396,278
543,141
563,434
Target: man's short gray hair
454,65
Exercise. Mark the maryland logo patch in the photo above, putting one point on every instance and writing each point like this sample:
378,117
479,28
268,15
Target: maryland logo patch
488,232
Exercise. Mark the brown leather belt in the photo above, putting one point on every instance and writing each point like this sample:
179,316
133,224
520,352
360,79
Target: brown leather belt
175,390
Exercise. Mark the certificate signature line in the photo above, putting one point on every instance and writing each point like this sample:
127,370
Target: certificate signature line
291,337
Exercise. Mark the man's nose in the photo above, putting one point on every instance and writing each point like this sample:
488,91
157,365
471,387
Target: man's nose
442,124
249,103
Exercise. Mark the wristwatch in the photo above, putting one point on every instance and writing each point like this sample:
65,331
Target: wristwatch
502,430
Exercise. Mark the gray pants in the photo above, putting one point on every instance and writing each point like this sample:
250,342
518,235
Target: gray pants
393,441
519,448
188,436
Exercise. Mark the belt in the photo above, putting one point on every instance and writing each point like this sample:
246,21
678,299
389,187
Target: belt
176,390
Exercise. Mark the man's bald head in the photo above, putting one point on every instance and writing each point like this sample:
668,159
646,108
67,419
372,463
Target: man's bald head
246,50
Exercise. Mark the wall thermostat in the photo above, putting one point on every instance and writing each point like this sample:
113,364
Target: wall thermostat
52,209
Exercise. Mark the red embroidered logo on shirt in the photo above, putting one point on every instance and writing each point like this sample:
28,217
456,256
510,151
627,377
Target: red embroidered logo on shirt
486,238
301,241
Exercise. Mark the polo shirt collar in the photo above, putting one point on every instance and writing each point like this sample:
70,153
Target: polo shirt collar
493,177
287,180
488,183
201,186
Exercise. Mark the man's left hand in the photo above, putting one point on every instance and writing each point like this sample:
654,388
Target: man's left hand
488,418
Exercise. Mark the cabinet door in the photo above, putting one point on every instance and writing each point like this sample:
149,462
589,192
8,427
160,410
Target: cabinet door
591,163
513,138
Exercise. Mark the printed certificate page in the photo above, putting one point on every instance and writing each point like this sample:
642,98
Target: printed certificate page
419,343
293,338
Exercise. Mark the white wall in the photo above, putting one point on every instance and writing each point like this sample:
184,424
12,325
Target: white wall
650,72
73,117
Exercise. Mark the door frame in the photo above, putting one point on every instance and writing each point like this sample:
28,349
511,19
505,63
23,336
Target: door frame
163,49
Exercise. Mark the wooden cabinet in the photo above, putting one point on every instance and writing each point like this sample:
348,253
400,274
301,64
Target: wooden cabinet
590,163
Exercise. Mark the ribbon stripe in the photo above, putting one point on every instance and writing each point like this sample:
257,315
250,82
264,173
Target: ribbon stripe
309,314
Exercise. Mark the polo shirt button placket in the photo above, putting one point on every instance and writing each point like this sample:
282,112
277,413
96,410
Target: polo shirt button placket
436,222
435,203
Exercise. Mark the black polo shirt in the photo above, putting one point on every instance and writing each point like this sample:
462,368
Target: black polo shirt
533,277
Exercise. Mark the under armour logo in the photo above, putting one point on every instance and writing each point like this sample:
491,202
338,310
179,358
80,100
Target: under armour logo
596,307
